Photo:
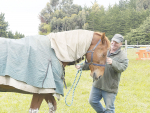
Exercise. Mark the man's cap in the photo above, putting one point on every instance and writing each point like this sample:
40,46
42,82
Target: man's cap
118,38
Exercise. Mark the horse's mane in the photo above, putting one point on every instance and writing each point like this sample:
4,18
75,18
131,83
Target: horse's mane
107,40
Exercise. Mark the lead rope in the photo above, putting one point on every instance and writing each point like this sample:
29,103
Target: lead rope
74,87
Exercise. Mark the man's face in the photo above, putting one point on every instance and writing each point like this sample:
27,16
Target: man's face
115,45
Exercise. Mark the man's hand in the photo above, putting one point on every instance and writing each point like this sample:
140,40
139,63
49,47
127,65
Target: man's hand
109,60
78,66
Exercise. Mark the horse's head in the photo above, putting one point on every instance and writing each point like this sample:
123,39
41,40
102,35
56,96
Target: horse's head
99,46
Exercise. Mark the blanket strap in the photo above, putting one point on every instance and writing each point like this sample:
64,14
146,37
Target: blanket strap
63,77
46,72
64,81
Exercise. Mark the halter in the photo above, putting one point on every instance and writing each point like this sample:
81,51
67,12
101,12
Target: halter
92,51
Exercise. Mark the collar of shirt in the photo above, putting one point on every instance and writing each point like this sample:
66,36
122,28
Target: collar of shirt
114,53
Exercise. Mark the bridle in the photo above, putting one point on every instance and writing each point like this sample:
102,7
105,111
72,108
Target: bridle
92,52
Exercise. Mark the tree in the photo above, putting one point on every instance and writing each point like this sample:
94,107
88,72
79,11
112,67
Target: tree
93,18
44,29
140,34
18,35
55,14
54,4
3,26
143,4
64,23
132,4
10,35
121,18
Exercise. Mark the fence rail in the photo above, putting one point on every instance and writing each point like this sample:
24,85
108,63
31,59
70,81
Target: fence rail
134,46
137,45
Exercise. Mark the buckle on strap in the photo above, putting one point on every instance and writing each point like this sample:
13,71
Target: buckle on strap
64,81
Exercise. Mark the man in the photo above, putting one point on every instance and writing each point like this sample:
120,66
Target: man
107,86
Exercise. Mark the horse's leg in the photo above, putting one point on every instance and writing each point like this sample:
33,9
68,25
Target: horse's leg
36,103
51,102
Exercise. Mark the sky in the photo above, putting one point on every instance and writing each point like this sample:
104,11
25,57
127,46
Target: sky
22,15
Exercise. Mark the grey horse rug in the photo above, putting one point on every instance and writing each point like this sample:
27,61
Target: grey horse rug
32,64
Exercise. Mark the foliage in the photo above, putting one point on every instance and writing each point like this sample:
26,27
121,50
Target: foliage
3,26
140,35
44,29
120,18
143,4
18,35
62,16
4,29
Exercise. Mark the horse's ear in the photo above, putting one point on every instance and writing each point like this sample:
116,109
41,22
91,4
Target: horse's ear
103,38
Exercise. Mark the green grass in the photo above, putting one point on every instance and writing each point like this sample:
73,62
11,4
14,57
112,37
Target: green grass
133,95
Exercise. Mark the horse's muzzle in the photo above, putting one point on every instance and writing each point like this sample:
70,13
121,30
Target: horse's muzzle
95,77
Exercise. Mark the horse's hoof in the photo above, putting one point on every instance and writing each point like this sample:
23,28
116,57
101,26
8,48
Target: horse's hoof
33,110
51,108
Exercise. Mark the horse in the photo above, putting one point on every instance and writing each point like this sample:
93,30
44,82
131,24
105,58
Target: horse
95,58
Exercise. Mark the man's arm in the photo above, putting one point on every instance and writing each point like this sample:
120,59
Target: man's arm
120,66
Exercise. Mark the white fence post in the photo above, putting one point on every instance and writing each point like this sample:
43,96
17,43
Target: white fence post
126,46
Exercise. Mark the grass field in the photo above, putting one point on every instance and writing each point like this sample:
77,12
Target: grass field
133,96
